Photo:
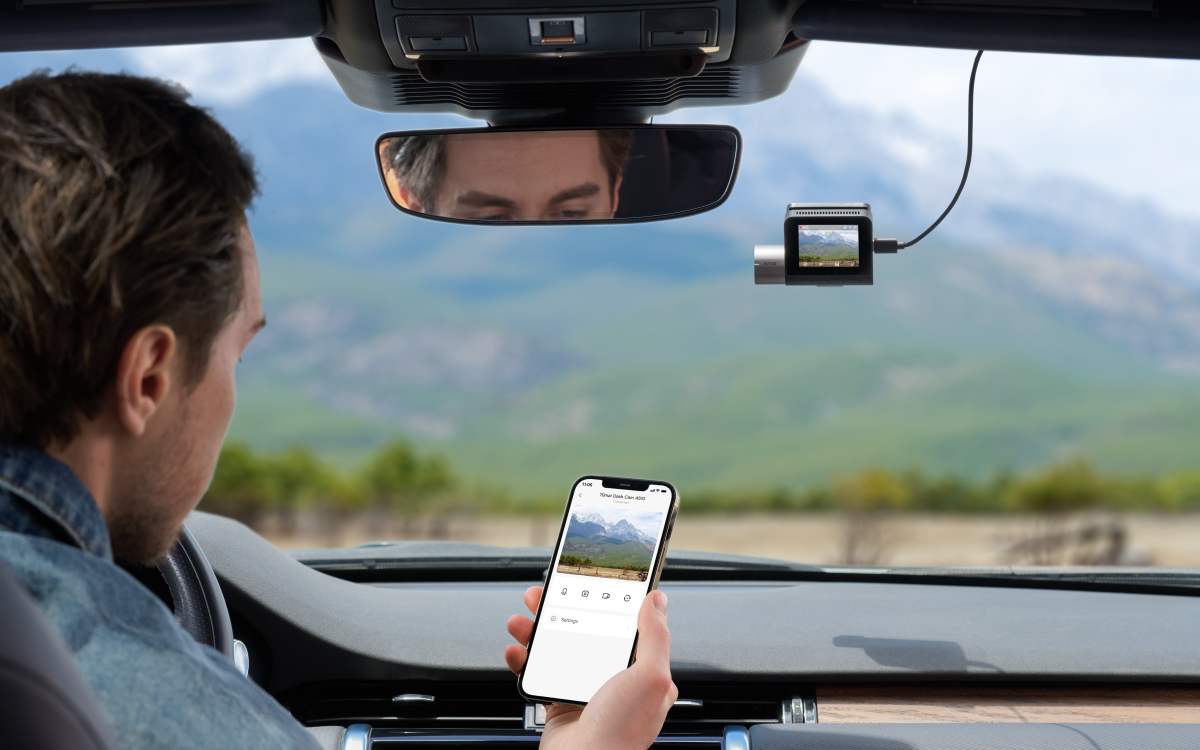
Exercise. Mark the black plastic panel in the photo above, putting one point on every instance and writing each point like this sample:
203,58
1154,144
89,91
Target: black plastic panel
593,102
504,29
133,24
1171,32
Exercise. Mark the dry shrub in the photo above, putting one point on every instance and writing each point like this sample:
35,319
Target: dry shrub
868,500
1068,527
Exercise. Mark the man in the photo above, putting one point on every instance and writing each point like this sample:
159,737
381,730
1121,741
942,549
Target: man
566,175
128,291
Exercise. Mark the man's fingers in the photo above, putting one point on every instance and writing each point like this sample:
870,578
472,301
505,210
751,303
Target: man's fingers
654,639
514,656
533,595
521,628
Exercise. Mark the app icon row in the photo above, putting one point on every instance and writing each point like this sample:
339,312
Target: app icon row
585,593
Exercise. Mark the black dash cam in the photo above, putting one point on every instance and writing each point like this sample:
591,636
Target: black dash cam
824,244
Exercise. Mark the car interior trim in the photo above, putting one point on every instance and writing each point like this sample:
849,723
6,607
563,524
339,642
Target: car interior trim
357,737
1000,703
241,657
735,738
30,25
384,736
973,736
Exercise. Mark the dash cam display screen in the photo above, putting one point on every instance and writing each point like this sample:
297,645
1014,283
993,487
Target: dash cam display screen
827,246
601,574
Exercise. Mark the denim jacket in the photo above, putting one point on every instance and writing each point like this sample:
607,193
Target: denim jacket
157,687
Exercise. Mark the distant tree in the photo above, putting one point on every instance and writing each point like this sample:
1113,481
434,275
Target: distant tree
871,490
247,485
399,480
241,486
1061,488
298,478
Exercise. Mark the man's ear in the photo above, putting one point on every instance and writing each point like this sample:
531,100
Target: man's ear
146,373
616,193
408,199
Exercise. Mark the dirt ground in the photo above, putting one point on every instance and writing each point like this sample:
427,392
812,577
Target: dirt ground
906,540
628,575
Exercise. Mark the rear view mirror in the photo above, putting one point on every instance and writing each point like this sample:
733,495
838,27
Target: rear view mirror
544,176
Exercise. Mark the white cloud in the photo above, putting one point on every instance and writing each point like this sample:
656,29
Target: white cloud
1126,125
236,72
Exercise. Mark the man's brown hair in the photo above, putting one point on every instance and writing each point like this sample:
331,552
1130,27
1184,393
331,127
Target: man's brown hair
419,161
120,207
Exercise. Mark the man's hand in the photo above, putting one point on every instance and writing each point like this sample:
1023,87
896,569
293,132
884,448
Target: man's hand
628,711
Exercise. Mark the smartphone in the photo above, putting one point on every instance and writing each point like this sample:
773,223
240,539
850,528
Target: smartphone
608,557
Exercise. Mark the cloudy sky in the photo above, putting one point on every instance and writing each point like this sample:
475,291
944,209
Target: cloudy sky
646,521
1126,125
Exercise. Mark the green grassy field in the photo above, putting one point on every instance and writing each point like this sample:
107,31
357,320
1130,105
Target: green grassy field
784,420
837,252
946,364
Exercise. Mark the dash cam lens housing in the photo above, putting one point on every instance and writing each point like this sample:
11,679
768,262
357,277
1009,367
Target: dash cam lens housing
837,245
768,264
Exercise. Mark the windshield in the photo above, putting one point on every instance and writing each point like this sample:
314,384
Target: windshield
1018,389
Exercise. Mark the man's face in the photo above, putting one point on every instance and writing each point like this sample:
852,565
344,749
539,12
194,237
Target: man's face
526,177
179,450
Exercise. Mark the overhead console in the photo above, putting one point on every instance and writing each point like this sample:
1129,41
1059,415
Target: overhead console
559,62
416,30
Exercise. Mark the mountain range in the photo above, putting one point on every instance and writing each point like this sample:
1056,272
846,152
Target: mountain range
833,247
822,239
594,523
607,544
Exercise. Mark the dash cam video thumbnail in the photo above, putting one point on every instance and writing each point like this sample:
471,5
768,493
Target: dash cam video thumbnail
828,246
610,542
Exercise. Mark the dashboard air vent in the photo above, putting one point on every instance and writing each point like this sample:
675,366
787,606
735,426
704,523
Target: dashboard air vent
706,709
453,708
424,705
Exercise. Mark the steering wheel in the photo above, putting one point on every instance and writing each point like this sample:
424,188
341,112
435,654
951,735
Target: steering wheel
187,585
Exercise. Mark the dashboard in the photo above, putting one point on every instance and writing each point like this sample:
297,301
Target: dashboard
413,650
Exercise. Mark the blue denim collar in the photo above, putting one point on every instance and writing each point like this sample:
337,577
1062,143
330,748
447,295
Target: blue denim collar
41,496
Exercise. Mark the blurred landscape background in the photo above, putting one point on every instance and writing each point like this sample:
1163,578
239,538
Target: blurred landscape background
1020,388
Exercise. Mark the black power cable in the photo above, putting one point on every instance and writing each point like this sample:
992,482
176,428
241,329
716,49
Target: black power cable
891,245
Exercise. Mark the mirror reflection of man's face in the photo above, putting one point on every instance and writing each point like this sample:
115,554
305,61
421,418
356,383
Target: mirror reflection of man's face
525,177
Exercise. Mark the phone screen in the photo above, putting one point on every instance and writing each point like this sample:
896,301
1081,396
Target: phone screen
602,570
